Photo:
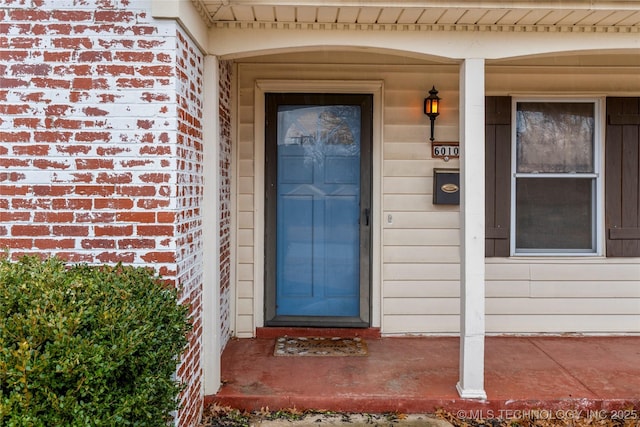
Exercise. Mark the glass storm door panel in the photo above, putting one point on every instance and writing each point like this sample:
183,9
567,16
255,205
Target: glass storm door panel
318,208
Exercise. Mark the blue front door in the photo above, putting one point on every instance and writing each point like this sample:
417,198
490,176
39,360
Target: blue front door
319,211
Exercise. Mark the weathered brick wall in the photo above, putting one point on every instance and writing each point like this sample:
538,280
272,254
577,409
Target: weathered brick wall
188,236
87,132
225,70
101,144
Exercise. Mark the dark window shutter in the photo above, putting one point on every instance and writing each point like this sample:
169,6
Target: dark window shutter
498,175
622,177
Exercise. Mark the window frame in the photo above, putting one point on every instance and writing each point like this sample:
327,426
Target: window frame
597,208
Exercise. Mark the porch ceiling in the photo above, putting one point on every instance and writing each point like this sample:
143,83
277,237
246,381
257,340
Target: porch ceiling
599,13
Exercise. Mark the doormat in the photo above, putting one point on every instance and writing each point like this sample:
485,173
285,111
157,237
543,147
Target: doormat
320,346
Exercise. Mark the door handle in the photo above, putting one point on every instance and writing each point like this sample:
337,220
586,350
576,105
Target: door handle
366,216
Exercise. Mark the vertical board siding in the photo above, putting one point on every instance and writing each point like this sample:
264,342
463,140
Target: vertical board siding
420,241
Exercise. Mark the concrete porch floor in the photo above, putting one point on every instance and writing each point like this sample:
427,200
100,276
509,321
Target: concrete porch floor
419,375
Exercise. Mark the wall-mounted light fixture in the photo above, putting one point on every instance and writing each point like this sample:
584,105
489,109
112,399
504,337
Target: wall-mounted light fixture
432,107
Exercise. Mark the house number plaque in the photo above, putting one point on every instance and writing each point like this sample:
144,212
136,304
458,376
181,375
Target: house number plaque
445,150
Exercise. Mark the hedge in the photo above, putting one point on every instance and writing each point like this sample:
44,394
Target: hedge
87,345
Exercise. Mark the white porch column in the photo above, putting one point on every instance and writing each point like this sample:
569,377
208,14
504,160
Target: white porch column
471,383
211,229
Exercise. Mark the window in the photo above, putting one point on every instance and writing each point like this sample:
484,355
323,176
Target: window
567,204
555,177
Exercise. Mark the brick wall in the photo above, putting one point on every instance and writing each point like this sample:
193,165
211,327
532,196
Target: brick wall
101,144
225,71
188,236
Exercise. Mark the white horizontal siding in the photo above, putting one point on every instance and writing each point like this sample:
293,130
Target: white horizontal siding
508,289
564,291
420,289
426,306
606,81
416,203
515,306
420,271
421,237
585,289
410,219
245,272
406,133
245,221
245,237
415,324
451,289
585,271
408,185
245,289
245,168
244,326
562,306
245,185
420,252
602,291
561,323
411,167
407,150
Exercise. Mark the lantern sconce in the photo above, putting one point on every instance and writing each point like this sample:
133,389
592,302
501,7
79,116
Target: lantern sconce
432,108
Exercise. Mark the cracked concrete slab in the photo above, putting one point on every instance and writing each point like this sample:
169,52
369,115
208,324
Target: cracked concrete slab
356,420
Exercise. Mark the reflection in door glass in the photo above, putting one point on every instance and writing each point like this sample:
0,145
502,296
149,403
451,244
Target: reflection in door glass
333,125
318,210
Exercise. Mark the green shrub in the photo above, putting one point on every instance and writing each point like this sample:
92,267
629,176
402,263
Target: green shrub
87,346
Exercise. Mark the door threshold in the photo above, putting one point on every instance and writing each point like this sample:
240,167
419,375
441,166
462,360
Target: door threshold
274,332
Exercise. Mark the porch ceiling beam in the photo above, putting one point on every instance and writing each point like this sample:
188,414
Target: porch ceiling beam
237,40
476,4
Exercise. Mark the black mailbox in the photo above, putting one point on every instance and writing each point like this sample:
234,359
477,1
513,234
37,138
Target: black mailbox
446,186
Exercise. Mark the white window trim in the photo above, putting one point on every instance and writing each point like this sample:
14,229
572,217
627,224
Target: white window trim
598,174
